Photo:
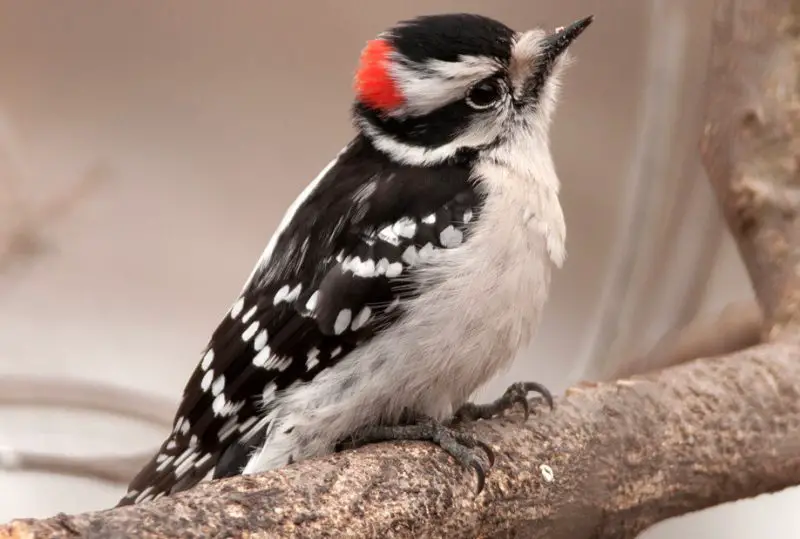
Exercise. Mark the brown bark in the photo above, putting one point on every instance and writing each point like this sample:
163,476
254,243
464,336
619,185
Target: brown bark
615,457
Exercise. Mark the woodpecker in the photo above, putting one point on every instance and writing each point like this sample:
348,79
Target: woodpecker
408,273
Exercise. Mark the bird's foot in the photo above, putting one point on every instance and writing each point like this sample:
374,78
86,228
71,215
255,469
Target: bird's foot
462,447
515,394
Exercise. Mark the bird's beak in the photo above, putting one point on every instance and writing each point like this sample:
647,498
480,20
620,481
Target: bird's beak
555,44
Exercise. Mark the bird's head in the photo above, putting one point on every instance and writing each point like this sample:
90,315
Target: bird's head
431,86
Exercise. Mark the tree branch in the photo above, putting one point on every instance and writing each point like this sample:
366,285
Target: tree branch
623,456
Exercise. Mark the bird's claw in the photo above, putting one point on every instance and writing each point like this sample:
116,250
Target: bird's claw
461,446
516,394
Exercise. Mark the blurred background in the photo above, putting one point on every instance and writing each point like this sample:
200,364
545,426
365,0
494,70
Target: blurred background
148,150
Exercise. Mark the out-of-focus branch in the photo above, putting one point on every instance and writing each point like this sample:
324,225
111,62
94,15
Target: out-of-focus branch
736,327
117,469
22,222
86,395
751,145
81,395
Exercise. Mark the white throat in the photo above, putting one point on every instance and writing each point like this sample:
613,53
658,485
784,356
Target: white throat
521,174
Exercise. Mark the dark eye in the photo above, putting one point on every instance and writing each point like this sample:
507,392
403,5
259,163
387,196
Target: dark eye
485,94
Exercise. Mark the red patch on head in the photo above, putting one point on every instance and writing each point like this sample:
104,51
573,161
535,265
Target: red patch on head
373,84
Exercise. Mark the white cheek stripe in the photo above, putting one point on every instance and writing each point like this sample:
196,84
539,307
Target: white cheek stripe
435,83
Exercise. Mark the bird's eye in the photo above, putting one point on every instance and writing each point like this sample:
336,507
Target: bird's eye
485,94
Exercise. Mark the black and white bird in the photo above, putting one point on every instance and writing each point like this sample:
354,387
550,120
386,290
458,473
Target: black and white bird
405,276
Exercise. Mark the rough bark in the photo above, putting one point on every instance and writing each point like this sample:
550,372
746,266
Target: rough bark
615,457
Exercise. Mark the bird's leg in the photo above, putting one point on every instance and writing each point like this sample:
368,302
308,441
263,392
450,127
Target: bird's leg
462,447
516,393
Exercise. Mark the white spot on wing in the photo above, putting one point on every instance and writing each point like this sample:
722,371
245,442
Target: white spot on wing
186,455
171,445
219,404
261,358
261,340
383,265
361,318
275,362
144,494
249,314
410,255
207,359
185,426
312,360
311,304
394,269
228,428
231,408
429,219
451,237
164,464
236,310
342,321
366,269
336,352
281,294
183,467
205,383
218,385
426,251
389,236
202,460
467,216
405,227
350,262
250,331
294,293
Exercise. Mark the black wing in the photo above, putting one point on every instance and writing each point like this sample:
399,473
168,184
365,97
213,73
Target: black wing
338,276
